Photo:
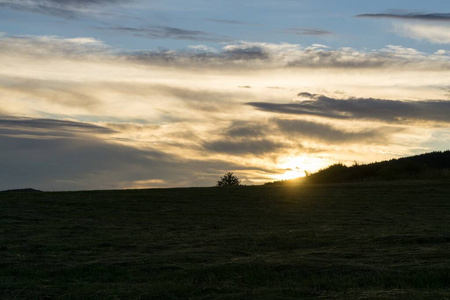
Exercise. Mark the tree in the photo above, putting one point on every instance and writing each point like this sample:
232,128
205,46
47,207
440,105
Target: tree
228,180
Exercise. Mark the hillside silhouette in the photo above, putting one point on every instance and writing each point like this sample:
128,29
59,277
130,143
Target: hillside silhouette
27,190
433,165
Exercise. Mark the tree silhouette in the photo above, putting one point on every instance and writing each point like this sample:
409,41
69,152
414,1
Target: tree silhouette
228,180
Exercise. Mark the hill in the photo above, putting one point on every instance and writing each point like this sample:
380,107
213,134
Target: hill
336,241
26,190
434,165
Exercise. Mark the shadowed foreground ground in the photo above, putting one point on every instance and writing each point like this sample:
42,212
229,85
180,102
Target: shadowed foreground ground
366,241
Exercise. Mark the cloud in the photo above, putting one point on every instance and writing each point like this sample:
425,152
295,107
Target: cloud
68,9
246,51
231,22
332,134
51,47
64,93
290,130
246,129
241,55
83,3
362,108
308,31
103,98
71,164
171,118
48,127
203,48
166,32
434,33
232,55
265,55
201,100
437,34
410,16
65,155
243,146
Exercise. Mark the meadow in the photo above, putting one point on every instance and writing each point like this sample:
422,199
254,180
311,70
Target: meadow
386,240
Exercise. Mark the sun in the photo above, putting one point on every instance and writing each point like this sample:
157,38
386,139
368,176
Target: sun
297,166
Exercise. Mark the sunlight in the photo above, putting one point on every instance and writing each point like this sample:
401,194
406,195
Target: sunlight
297,165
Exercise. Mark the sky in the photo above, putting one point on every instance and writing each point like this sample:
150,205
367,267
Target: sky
118,94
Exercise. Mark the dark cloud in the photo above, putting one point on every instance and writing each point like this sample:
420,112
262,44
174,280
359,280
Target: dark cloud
84,161
69,9
362,108
246,129
246,52
71,164
229,57
308,31
244,134
165,32
48,127
410,16
331,134
243,146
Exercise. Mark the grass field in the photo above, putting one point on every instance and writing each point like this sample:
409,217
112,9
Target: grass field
353,241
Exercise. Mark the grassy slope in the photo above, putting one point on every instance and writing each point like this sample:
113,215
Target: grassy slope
427,166
389,240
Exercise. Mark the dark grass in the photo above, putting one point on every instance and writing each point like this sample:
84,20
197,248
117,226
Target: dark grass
352,241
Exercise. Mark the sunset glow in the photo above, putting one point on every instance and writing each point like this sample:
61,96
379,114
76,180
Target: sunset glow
299,166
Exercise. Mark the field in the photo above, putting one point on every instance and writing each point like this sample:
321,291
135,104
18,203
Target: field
351,241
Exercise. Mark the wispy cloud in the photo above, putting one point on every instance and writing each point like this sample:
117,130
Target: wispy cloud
331,134
230,22
53,46
82,3
48,127
69,9
166,32
438,34
409,16
308,31
243,146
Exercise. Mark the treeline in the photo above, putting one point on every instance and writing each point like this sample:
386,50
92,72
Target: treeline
434,165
